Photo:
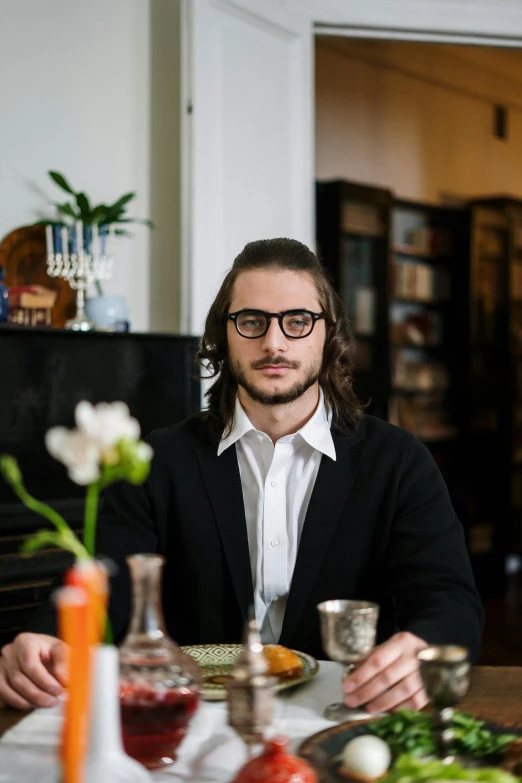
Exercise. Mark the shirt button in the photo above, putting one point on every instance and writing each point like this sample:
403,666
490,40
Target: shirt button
273,483
260,438
275,598
273,542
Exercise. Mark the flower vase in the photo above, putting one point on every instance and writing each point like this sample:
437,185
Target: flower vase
159,684
106,760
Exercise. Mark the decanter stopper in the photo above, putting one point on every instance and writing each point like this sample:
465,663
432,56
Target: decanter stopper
249,690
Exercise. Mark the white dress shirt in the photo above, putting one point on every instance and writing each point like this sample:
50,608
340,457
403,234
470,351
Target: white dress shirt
277,483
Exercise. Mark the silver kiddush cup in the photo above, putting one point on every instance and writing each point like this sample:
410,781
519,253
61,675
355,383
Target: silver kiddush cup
444,671
348,630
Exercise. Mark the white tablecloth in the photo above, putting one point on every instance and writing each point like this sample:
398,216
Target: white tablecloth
210,752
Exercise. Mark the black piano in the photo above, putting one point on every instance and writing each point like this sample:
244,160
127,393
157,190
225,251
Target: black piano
44,373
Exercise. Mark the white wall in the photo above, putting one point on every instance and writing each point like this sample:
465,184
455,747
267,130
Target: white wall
382,127
74,92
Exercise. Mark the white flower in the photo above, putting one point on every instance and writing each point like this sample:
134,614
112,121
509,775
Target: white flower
106,423
77,452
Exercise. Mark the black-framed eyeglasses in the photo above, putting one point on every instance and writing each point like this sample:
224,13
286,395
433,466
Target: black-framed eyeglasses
294,324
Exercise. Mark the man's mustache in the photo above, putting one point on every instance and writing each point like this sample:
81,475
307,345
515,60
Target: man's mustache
273,361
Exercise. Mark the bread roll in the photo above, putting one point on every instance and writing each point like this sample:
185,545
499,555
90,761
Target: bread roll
282,662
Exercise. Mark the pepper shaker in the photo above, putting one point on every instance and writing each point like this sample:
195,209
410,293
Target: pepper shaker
250,694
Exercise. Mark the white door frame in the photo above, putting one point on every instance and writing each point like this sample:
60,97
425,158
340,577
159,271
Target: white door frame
475,22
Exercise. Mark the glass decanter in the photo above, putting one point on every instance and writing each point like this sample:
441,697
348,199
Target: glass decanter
159,684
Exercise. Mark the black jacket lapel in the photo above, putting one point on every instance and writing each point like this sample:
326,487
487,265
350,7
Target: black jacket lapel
332,487
223,484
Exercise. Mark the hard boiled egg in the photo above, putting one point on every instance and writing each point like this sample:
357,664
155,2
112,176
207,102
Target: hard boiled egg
366,758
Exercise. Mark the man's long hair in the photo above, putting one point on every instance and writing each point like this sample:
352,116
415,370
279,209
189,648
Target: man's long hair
335,376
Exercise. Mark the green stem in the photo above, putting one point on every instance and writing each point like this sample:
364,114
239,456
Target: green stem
91,514
41,508
99,289
108,638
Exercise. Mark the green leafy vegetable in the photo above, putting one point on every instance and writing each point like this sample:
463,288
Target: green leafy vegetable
409,769
408,731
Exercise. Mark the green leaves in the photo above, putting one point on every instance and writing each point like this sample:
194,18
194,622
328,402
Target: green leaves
61,181
408,731
85,208
67,209
408,769
80,208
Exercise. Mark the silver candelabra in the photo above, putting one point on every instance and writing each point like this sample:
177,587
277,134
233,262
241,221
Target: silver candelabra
79,255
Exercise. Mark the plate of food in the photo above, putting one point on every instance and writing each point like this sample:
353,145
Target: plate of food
399,748
288,667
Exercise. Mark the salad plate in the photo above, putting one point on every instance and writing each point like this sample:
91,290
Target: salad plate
323,751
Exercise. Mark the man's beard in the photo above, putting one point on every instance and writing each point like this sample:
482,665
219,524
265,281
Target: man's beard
277,398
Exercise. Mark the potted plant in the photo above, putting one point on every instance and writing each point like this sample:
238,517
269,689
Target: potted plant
103,310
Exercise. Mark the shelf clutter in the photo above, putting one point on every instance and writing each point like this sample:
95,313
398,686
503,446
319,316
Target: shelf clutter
434,295
31,305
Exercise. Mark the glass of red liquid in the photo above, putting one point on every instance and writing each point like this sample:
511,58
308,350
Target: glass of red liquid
154,722
159,684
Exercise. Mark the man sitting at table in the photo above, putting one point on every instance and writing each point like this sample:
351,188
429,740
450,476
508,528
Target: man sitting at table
282,494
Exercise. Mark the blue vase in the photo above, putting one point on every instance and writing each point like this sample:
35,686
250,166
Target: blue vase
4,297
108,313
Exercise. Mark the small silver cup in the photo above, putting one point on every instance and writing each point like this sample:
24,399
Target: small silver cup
444,670
348,630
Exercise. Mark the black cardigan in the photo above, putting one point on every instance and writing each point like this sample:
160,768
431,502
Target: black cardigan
380,526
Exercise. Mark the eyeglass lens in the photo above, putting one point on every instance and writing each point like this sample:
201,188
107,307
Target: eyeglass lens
254,324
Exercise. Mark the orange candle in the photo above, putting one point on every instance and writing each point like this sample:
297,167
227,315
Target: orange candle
92,577
72,617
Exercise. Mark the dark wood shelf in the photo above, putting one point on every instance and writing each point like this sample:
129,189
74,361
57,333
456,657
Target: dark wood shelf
417,253
436,304
404,392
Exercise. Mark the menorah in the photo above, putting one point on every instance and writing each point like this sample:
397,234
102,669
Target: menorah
79,255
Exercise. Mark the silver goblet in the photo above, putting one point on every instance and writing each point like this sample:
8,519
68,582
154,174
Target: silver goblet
444,671
348,630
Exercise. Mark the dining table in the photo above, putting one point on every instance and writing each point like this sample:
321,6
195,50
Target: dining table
212,752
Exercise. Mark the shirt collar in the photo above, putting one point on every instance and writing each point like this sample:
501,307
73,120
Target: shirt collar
316,432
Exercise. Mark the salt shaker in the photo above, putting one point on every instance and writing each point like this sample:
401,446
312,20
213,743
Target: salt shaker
249,690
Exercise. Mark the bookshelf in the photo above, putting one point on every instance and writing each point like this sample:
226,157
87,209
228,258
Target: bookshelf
396,269
353,238
495,513
402,269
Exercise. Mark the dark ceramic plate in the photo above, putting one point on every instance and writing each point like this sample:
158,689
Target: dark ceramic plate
323,749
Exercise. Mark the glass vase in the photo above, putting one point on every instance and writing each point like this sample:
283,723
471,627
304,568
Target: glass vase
159,684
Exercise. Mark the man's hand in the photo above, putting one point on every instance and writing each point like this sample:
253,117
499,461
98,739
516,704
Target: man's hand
33,671
389,678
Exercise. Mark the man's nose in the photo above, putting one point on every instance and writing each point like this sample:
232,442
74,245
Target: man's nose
274,339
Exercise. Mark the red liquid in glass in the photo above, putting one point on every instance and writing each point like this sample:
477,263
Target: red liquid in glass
154,723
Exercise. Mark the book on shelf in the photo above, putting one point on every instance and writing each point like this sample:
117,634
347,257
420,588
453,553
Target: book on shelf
415,280
30,316
428,240
425,417
31,305
363,219
32,296
413,375
516,281
356,277
416,326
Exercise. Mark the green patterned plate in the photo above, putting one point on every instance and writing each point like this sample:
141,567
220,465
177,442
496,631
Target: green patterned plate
216,661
